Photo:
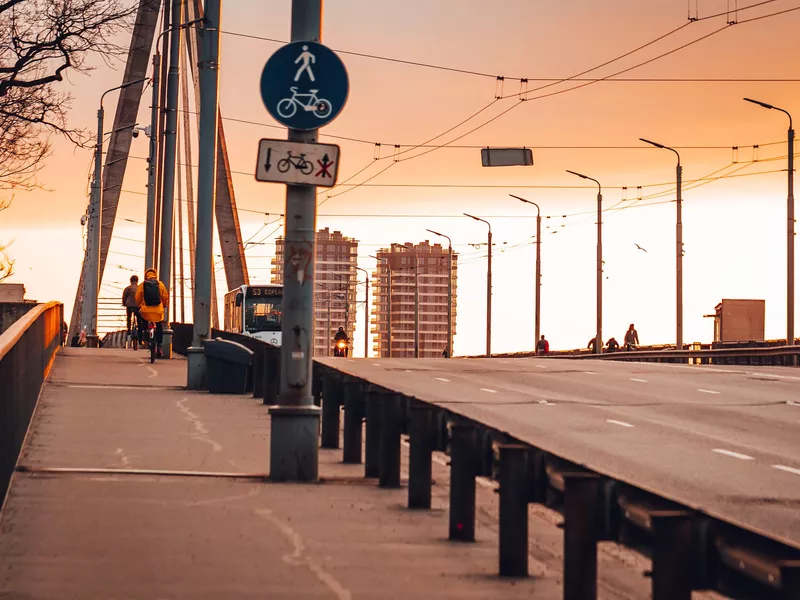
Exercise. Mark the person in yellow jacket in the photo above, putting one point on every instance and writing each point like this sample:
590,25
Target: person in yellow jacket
151,297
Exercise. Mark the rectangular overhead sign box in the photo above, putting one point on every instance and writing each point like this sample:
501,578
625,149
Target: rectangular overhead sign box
280,161
506,157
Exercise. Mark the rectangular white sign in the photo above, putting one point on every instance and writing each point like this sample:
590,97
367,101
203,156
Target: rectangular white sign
280,161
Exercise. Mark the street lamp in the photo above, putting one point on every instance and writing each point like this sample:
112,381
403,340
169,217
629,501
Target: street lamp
488,289
410,246
388,301
366,313
678,246
537,318
449,291
789,228
92,279
598,340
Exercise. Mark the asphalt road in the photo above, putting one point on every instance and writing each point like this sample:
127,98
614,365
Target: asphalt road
721,439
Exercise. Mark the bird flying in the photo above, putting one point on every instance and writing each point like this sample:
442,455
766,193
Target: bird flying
640,248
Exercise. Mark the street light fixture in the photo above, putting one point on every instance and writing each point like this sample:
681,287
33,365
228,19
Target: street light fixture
538,284
389,302
410,246
92,278
789,225
449,291
598,340
488,288
678,246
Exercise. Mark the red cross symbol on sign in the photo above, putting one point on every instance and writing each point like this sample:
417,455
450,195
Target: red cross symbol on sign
324,167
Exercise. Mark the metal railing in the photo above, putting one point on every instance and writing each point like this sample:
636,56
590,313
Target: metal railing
27,351
690,548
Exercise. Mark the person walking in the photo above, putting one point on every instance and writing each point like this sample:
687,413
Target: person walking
542,347
631,338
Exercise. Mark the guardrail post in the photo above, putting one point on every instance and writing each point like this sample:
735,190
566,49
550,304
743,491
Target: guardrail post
331,402
790,579
513,510
353,419
672,555
581,499
272,368
372,450
420,472
463,469
389,466
316,383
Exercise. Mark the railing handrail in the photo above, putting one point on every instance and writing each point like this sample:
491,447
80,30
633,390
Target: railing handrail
718,352
12,335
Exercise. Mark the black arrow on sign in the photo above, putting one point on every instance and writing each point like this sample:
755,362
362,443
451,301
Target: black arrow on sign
268,166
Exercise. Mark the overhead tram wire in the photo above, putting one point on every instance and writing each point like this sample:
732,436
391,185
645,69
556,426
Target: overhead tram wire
559,92
495,76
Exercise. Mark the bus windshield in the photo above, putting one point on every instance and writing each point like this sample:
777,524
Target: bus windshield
262,314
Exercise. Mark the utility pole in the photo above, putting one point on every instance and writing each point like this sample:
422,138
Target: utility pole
449,345
488,288
294,451
790,339
92,279
538,281
206,192
168,168
162,101
678,246
366,312
150,227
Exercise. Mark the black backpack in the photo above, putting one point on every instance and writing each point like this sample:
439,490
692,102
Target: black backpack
152,295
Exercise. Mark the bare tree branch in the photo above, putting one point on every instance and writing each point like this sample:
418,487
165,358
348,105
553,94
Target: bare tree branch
42,41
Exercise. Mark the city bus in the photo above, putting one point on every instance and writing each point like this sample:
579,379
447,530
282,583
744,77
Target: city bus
255,310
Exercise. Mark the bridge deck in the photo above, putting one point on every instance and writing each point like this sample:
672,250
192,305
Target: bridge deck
119,534
721,439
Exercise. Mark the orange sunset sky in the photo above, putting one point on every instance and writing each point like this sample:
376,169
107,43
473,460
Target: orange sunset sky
734,228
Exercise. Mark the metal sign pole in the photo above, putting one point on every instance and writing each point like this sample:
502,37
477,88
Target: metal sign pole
294,451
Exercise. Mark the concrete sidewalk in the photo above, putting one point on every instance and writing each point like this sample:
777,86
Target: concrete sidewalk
224,532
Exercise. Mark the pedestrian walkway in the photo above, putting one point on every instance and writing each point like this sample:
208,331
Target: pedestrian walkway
131,487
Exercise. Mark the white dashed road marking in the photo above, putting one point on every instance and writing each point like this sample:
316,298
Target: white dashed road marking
488,390
638,380
787,469
540,366
733,454
376,364
620,423
707,391
442,379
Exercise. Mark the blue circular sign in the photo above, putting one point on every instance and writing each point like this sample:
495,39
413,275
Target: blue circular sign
304,85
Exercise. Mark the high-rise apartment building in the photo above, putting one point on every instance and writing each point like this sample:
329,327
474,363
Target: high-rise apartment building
396,270
334,289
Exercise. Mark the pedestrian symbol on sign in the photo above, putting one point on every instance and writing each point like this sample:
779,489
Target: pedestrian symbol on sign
324,167
307,59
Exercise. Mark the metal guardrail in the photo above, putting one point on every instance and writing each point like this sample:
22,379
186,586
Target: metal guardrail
690,550
773,356
27,350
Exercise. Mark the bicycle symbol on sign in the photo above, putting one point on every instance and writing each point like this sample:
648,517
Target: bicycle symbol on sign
298,161
308,102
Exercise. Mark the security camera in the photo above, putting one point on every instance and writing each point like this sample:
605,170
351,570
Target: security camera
135,133
84,218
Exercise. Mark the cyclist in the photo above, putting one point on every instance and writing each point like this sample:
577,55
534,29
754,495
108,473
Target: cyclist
129,302
151,297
